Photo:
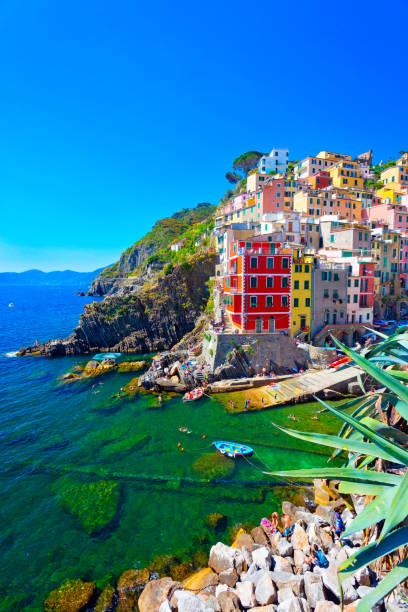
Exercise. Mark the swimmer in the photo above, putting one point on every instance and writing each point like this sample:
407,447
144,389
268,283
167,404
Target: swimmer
160,399
315,418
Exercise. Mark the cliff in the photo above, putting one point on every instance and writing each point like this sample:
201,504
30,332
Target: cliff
125,276
154,319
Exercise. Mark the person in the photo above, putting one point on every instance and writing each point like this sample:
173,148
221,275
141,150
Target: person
160,399
275,523
317,558
338,526
287,526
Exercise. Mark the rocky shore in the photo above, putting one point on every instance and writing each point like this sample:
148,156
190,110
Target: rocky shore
258,572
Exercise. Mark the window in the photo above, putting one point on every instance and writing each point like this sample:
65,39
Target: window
348,299
307,302
254,262
296,284
295,302
335,294
326,293
253,301
285,282
355,299
306,284
335,276
253,282
269,263
285,263
306,268
269,282
269,301
356,282
284,300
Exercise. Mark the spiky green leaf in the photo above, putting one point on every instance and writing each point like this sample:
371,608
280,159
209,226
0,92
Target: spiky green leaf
387,584
398,509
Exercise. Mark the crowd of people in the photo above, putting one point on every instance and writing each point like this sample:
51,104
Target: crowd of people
285,527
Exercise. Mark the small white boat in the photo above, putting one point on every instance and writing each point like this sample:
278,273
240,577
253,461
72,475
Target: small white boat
192,396
11,305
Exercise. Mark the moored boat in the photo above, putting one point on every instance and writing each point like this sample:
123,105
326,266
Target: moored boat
195,394
233,449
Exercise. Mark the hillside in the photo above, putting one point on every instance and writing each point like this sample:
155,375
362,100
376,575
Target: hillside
38,278
122,276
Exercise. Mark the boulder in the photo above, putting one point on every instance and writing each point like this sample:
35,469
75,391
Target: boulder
364,590
309,518
346,516
204,578
154,594
130,586
283,564
299,558
290,509
221,588
188,602
284,548
71,596
224,557
228,577
327,540
285,580
294,604
326,513
327,606
265,592
246,553
270,608
262,558
259,536
363,577
313,588
210,602
313,534
228,601
359,502
165,606
246,593
299,539
284,594
106,599
349,592
243,539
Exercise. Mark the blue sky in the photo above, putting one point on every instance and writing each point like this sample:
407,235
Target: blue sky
115,114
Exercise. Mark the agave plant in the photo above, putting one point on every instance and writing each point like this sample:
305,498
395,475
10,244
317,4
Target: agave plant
376,465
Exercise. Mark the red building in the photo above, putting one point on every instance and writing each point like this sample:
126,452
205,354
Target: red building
258,286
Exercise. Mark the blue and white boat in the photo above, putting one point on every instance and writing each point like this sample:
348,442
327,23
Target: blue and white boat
233,449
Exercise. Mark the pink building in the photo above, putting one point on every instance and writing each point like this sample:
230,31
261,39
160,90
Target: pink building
393,215
274,198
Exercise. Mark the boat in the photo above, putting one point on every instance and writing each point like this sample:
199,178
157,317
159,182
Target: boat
192,396
11,305
233,449
340,362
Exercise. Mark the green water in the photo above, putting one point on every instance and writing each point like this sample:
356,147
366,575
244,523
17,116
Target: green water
93,486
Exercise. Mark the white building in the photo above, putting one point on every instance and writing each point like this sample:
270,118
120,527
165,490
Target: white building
276,161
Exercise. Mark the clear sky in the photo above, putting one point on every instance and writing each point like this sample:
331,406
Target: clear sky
114,114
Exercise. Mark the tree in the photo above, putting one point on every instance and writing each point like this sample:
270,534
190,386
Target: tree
247,161
232,177
402,152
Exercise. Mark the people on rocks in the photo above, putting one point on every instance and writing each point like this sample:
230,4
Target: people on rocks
338,526
317,558
287,525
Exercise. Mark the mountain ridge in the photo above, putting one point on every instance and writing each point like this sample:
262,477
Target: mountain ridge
55,278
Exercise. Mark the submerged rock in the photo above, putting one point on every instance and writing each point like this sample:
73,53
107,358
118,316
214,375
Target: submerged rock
71,596
216,521
214,466
105,599
94,504
130,586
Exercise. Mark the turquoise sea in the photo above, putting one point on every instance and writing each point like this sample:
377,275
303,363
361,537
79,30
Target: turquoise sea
93,485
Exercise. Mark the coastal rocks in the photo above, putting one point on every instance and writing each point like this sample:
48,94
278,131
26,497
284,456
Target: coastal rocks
106,599
224,557
130,585
214,466
155,593
284,580
228,577
246,593
71,596
294,604
284,548
313,588
203,579
265,591
259,537
299,539
228,601
96,368
262,558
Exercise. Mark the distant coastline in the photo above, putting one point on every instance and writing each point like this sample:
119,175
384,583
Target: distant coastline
65,278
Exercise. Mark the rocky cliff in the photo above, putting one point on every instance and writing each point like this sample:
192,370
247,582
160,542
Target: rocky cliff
154,319
125,276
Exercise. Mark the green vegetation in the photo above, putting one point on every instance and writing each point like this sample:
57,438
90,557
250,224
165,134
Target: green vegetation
376,464
163,233
94,504
377,169
233,177
214,466
247,161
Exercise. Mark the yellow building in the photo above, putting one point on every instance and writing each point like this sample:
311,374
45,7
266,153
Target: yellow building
387,192
333,157
395,178
346,174
301,312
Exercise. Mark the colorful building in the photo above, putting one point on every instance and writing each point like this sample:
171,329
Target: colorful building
329,294
319,203
346,174
302,301
395,177
276,161
257,287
